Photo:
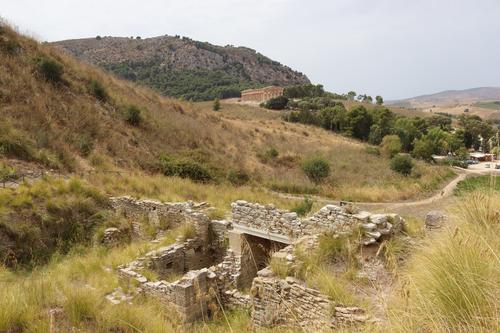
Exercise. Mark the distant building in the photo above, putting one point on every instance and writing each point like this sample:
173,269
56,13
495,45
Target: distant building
261,95
481,157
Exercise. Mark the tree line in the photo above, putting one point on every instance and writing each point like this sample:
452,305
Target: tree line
422,137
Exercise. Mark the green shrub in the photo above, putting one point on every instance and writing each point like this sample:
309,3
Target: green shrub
238,177
277,103
390,146
402,164
132,115
303,207
216,105
372,150
98,90
50,69
316,169
268,155
184,168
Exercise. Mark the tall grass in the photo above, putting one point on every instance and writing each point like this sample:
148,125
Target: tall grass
453,284
77,285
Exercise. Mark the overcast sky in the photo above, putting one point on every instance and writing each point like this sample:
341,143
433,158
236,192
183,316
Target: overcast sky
396,48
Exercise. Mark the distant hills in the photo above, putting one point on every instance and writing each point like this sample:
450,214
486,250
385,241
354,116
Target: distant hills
182,67
451,98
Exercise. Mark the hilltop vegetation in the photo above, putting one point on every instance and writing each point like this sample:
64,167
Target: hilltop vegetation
182,67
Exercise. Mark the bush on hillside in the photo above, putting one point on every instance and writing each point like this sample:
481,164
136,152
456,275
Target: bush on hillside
316,169
184,168
132,115
303,207
98,90
390,146
50,69
216,105
402,164
238,177
277,103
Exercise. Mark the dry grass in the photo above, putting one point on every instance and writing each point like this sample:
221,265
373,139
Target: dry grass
75,287
452,284
67,127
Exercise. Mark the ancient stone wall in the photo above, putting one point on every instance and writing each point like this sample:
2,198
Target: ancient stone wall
330,218
261,95
158,214
288,302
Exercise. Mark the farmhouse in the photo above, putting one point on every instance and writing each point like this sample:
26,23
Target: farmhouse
262,94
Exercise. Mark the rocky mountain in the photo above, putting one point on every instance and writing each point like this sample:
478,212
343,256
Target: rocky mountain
182,67
452,97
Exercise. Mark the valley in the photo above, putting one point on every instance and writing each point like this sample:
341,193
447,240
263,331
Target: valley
139,193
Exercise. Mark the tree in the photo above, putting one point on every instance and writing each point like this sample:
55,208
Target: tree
383,123
474,129
440,121
333,119
390,146
316,169
423,149
216,105
407,131
351,95
379,100
359,121
277,103
402,164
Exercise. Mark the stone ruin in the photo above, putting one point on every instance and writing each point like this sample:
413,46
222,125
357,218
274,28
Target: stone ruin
224,258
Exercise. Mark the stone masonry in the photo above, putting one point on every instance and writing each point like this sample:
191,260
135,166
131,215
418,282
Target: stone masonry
215,276
331,218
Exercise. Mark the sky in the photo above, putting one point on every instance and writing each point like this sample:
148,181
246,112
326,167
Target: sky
393,48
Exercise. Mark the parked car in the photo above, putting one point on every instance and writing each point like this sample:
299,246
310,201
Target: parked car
497,166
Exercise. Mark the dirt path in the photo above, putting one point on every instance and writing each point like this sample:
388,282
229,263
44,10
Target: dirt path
417,208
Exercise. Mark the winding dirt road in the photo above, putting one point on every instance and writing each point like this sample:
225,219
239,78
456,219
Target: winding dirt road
417,208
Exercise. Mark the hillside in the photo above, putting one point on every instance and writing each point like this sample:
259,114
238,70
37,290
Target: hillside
182,67
475,101
83,122
451,97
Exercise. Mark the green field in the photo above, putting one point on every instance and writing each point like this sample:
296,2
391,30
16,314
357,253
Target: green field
481,183
493,105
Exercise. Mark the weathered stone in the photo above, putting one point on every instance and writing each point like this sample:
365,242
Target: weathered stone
435,219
